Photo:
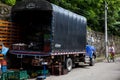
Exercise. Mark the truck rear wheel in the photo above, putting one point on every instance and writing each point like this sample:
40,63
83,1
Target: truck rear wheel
68,64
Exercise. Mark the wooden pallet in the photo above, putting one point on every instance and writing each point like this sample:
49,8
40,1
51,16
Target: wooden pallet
9,33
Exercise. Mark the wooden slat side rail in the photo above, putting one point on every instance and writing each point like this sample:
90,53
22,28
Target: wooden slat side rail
3,21
9,33
6,23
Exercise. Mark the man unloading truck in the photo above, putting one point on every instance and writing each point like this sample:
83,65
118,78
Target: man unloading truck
91,52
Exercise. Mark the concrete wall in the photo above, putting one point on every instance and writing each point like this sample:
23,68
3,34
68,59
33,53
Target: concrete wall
99,41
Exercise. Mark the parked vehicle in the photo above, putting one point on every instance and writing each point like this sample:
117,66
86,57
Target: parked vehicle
49,33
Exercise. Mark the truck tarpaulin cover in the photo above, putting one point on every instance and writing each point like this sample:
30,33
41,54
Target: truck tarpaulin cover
68,30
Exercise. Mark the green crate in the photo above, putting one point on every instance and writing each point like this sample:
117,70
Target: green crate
42,72
11,75
14,75
46,71
21,75
4,76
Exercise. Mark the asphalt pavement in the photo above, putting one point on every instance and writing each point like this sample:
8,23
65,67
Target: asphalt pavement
100,71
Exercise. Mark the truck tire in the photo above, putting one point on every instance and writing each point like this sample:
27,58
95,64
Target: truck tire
68,64
92,61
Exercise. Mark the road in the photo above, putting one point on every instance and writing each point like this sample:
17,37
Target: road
101,71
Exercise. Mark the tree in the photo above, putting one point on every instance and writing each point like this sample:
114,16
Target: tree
94,12
9,2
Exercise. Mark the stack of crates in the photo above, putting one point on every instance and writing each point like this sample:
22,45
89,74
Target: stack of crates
15,75
3,65
1,57
9,33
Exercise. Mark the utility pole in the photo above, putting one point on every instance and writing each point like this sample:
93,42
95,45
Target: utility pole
106,35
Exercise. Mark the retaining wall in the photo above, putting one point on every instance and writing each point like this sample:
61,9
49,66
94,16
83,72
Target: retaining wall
99,41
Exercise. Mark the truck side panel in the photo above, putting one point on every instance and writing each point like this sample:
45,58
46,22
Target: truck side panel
69,32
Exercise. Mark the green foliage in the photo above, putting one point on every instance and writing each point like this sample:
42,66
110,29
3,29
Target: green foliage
94,11
10,2
116,28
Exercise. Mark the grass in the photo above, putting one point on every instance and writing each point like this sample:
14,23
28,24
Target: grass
101,58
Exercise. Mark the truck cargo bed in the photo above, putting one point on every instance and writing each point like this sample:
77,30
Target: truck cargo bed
29,53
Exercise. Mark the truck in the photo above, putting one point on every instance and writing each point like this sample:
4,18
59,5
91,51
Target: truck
49,34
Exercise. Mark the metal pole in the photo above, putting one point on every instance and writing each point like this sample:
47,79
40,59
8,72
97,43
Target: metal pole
106,36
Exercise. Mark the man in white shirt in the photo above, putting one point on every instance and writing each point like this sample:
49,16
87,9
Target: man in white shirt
111,50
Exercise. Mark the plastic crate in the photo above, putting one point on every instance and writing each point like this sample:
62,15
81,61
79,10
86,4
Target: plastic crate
4,68
11,75
4,76
15,75
42,72
21,75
